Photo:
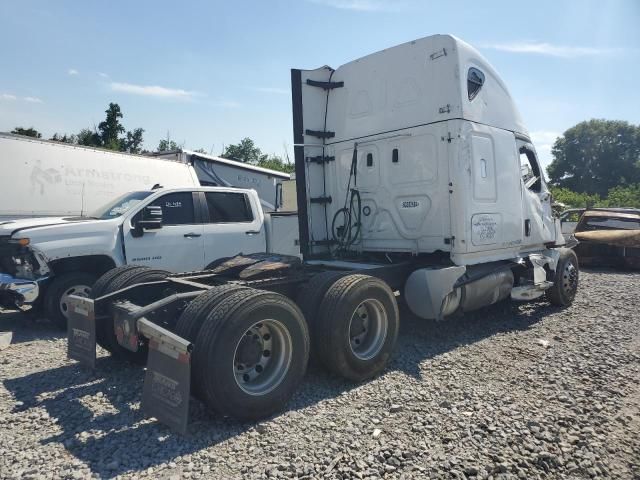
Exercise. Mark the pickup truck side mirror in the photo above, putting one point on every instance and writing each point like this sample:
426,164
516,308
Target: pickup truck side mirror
150,219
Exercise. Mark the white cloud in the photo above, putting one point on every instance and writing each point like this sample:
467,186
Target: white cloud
103,75
361,5
542,48
72,71
152,91
280,91
32,99
7,96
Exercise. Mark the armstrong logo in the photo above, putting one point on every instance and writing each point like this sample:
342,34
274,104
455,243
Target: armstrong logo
92,173
40,177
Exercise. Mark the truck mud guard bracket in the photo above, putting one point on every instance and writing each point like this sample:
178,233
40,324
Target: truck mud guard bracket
167,382
320,159
81,330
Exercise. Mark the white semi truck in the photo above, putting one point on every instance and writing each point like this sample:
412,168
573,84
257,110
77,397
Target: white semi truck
409,178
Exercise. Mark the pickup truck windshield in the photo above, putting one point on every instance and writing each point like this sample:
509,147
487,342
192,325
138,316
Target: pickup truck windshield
120,205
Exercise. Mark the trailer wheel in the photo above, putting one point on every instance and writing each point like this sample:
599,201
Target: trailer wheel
357,327
565,282
105,331
310,296
57,294
251,354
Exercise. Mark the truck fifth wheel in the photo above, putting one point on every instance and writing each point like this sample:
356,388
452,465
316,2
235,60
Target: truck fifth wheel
415,177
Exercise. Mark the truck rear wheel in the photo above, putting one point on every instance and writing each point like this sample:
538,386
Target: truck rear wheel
99,288
251,354
357,327
565,282
311,294
57,294
105,329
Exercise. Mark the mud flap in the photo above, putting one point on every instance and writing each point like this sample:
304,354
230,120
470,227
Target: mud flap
167,382
81,331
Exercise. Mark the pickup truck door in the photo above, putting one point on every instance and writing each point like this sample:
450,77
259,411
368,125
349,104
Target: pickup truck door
234,223
179,245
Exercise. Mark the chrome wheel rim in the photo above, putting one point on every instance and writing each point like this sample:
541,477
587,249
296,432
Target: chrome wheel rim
570,279
78,290
368,329
262,357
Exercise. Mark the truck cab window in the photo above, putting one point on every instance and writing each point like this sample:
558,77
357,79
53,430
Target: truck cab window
475,80
177,208
228,207
530,170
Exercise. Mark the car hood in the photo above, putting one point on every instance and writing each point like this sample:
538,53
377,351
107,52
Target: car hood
10,227
619,238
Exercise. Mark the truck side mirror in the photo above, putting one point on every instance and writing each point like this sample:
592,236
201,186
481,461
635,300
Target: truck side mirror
150,219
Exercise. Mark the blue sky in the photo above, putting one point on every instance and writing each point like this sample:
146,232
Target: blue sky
212,72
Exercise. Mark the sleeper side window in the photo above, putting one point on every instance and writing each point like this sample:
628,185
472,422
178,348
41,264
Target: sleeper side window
475,80
530,170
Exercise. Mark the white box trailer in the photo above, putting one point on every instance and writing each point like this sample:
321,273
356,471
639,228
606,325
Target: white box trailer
41,178
215,171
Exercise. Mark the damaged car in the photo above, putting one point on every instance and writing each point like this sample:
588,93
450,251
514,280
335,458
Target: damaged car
609,238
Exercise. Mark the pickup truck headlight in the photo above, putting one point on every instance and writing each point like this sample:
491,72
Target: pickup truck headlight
23,242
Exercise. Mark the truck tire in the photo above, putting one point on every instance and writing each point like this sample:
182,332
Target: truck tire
99,288
105,331
310,296
357,327
192,318
56,295
251,354
565,282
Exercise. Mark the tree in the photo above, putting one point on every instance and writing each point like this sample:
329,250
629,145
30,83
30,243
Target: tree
64,138
133,141
245,151
88,138
596,155
274,162
27,132
167,145
111,128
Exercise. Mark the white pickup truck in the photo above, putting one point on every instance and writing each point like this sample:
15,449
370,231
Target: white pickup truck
44,260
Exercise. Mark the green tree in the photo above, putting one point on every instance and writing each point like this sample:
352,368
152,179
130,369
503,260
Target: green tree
111,128
88,138
274,162
623,196
595,156
167,145
27,132
64,138
132,143
245,151
574,199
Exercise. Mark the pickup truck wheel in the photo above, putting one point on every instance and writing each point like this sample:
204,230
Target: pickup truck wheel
105,331
565,282
309,298
251,354
357,327
192,318
57,294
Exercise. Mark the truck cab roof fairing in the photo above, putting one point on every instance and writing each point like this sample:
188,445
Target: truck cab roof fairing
417,83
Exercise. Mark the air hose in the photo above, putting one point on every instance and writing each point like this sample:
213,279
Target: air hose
350,231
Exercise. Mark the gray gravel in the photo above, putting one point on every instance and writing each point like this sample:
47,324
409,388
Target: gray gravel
513,391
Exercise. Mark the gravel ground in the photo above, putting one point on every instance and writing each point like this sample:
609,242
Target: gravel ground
513,391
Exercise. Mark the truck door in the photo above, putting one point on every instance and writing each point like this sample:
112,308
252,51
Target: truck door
539,226
178,246
233,225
